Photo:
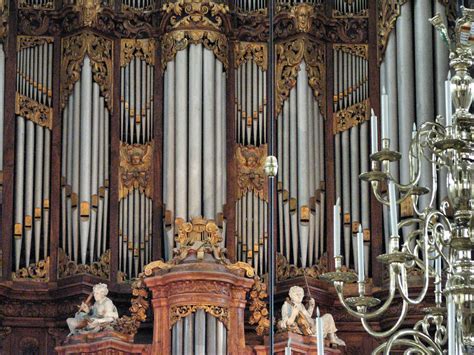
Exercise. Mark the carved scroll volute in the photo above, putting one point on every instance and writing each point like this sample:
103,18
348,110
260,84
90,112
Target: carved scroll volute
388,12
194,22
99,50
136,169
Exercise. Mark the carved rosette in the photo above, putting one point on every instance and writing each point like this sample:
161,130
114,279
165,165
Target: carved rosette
248,51
67,267
100,52
38,271
251,176
388,12
352,116
179,312
136,169
194,22
289,55
143,49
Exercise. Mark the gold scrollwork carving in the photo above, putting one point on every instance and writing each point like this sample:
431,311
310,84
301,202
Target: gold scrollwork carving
258,307
136,169
67,267
247,51
286,271
302,14
157,264
389,10
178,40
351,116
99,50
243,266
143,49
24,4
88,11
290,54
24,42
250,170
179,312
34,111
359,50
38,271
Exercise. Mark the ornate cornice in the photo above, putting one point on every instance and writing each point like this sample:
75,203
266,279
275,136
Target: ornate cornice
179,312
136,169
143,49
250,162
388,12
352,116
249,51
100,52
289,55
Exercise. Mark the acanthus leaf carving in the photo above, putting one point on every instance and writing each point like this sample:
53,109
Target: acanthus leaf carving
32,110
179,312
351,116
248,51
143,49
388,12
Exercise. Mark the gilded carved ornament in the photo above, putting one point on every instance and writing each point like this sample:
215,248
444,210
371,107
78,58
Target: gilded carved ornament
389,10
351,116
3,19
302,15
24,42
289,55
136,169
68,267
32,110
249,51
251,176
24,4
100,52
193,22
359,50
286,271
143,49
88,11
38,271
179,312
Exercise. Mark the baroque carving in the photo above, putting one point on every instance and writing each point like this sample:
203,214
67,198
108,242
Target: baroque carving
248,51
24,42
67,267
287,271
32,110
100,52
38,271
351,116
195,13
136,169
389,10
251,176
3,20
359,50
179,312
47,5
143,49
88,11
251,27
302,14
289,55
258,307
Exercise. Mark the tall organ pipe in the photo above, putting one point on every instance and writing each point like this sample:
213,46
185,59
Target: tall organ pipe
94,167
19,185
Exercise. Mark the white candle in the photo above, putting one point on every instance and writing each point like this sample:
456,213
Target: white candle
448,101
319,334
385,118
374,134
393,209
451,308
360,255
337,228
438,272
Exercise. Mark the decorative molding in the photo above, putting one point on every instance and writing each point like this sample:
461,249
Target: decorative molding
359,50
194,22
248,51
289,55
352,116
38,271
179,312
143,49
67,267
250,161
32,110
388,12
287,271
100,52
136,169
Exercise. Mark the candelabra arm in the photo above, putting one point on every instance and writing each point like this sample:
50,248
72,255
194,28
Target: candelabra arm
339,286
379,349
402,283
410,332
390,331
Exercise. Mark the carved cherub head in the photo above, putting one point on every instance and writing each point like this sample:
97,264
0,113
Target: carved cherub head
302,14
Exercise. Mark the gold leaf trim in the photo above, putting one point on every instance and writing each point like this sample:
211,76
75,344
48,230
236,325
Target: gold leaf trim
100,52
38,271
389,10
157,264
67,267
289,55
32,110
24,42
136,169
250,170
179,312
352,116
143,49
286,271
23,4
302,14
359,50
248,51
258,307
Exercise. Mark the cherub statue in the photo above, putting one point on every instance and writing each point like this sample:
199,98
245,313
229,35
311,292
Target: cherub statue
96,318
296,318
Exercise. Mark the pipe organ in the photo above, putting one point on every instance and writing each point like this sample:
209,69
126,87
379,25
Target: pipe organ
34,118
351,108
